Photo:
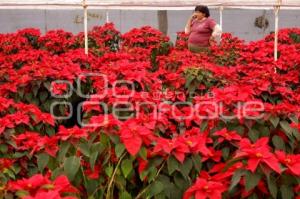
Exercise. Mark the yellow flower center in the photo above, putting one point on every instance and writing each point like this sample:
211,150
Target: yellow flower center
105,123
288,160
134,130
189,143
259,155
205,187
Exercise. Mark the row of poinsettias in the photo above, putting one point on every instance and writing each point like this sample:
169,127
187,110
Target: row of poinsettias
177,154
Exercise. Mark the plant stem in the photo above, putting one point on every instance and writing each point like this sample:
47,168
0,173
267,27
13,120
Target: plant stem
108,194
146,188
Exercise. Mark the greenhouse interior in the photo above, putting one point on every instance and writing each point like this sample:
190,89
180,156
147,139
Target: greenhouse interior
140,99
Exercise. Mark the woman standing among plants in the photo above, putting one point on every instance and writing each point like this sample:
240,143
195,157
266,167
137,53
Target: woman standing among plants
202,30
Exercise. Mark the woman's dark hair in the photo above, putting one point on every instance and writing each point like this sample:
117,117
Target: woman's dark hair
203,9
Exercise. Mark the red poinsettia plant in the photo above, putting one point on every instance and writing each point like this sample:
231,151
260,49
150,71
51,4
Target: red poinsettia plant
139,118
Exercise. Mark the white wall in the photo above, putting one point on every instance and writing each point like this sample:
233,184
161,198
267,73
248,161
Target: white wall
238,22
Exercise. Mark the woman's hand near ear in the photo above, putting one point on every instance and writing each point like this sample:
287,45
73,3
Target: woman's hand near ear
187,29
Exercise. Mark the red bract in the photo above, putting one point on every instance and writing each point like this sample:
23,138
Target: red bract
5,163
181,41
93,173
145,37
205,188
292,162
72,134
59,89
39,185
33,142
32,185
106,122
258,153
227,135
55,41
133,135
213,155
297,126
178,147
23,115
222,175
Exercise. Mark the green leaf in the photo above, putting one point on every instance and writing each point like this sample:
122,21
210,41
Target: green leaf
203,126
22,193
3,148
272,186
143,174
35,90
143,153
200,77
186,167
84,148
189,80
173,165
152,174
197,162
43,96
175,193
57,172
264,131
42,161
16,169
93,159
115,139
155,188
287,192
180,182
126,167
18,155
253,135
274,120
253,196
28,97
278,142
47,85
125,195
50,131
63,151
294,119
109,170
296,134
286,127
10,173
252,180
21,92
119,149
236,178
98,146
71,166
225,153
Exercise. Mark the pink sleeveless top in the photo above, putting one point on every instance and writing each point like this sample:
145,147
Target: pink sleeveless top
201,32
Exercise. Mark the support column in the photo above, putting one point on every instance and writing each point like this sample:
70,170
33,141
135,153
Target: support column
86,44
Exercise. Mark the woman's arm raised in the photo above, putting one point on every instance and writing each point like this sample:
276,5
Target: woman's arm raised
188,25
